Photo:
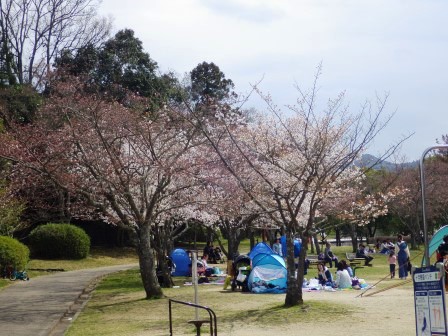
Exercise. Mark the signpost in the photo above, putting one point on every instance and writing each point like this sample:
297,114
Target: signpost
429,299
429,281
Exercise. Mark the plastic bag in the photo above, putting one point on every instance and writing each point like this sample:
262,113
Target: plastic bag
241,277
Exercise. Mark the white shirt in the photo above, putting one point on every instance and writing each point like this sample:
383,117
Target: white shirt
343,279
277,248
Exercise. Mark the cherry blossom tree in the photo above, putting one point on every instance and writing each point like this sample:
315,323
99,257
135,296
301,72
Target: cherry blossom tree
130,168
357,206
295,160
229,208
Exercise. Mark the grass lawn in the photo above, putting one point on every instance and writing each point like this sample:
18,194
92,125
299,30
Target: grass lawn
98,257
118,306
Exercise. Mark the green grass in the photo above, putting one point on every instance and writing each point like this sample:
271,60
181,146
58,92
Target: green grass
122,310
118,306
98,257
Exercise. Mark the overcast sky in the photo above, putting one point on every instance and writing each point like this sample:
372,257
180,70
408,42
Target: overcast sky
366,48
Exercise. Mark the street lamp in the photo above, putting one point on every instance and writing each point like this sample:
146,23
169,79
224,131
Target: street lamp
422,181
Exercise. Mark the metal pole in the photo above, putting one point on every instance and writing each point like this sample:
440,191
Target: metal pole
194,274
422,182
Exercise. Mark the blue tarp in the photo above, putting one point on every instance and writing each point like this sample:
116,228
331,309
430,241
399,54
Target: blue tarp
260,248
297,246
268,274
182,261
436,240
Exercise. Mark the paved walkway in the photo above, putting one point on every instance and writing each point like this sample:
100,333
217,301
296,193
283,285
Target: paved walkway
46,305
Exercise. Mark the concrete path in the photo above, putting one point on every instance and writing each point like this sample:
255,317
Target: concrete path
46,305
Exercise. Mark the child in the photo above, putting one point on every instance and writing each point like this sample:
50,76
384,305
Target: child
392,262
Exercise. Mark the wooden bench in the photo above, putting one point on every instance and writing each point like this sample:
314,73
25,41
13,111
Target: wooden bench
354,262
314,260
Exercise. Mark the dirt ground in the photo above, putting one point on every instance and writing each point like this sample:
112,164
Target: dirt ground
387,313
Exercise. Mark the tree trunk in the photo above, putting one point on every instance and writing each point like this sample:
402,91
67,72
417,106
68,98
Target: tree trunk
147,263
316,243
161,243
338,237
233,243
164,271
294,291
353,237
252,238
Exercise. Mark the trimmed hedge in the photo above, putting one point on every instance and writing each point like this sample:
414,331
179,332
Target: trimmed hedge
13,253
59,241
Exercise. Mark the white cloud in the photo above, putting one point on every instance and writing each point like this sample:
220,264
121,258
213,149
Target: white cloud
256,11
365,46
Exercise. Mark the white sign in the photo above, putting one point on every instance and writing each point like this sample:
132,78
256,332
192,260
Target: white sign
429,299
430,276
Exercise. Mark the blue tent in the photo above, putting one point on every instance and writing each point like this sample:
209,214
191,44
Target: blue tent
182,261
268,274
297,246
436,240
260,248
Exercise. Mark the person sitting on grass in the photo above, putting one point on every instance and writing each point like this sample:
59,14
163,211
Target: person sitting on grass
347,267
343,279
208,270
324,275
361,253
384,249
209,250
390,245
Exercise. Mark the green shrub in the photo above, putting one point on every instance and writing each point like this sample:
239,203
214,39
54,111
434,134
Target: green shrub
59,241
13,252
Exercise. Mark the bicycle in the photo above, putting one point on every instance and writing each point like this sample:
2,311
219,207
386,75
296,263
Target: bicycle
21,275
12,274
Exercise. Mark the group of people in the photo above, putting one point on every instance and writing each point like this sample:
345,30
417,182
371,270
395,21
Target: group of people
214,254
386,246
210,254
343,279
399,253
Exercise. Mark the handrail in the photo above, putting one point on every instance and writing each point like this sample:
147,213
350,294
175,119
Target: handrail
211,313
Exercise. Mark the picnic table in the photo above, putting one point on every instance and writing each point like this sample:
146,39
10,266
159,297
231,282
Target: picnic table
354,262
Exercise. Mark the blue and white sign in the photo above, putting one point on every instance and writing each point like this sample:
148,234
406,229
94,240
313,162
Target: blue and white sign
429,299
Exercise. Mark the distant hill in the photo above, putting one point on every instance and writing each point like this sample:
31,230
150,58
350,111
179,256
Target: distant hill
368,160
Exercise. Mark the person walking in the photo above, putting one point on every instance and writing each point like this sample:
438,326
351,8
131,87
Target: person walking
392,259
403,256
